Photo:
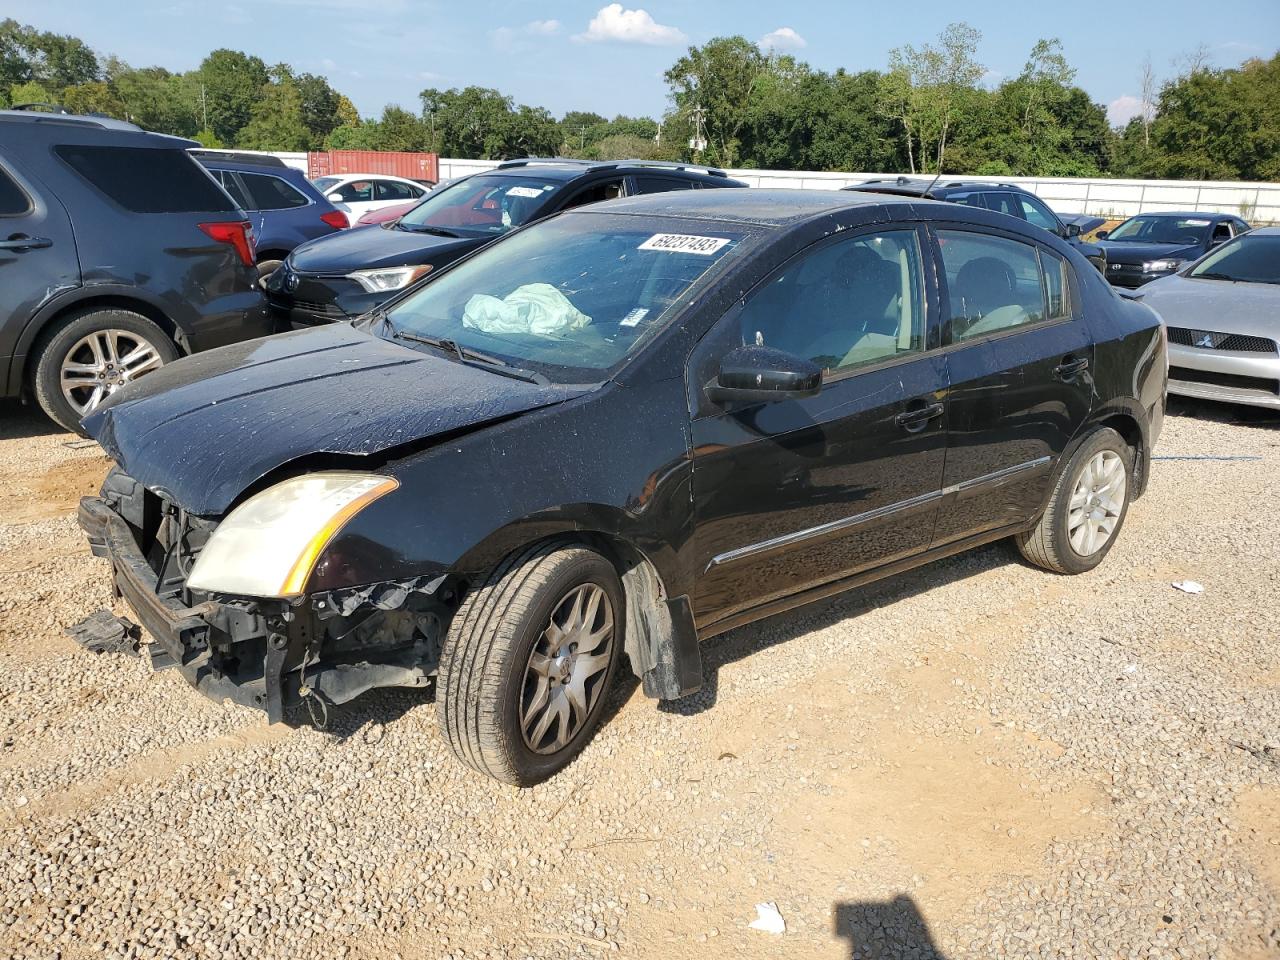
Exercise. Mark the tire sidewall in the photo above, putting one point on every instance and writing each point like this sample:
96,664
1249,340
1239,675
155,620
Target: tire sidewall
1099,441
584,566
46,378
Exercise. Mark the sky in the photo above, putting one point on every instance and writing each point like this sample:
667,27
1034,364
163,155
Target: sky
610,57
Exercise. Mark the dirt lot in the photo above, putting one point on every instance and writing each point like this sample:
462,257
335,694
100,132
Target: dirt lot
977,759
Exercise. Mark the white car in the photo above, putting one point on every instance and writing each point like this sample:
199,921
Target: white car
358,193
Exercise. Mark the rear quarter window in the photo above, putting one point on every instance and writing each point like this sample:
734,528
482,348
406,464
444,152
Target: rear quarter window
146,179
13,201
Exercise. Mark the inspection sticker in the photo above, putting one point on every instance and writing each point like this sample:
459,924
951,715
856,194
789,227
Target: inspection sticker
634,317
524,192
683,243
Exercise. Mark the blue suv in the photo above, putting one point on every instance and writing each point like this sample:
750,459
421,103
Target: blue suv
285,208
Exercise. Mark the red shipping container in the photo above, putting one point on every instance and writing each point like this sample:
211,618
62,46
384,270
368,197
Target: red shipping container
411,166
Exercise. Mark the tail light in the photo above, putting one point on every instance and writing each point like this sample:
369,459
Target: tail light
238,233
336,219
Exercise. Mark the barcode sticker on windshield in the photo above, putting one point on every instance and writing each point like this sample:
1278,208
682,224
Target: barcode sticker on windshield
683,243
524,192
1196,223
634,317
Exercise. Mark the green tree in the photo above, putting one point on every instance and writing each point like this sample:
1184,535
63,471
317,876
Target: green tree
276,119
230,83
713,88
95,97
320,106
30,92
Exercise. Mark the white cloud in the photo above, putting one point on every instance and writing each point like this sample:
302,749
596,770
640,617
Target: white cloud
784,38
1123,109
613,23
509,39
543,28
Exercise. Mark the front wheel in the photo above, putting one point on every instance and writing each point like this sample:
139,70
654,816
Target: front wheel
90,356
528,662
1087,509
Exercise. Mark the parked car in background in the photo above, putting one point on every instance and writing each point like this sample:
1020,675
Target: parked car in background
342,277
1223,318
628,427
386,214
1006,198
284,206
118,252
356,194
1153,245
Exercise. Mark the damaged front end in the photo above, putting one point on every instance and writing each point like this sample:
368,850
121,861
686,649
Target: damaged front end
320,648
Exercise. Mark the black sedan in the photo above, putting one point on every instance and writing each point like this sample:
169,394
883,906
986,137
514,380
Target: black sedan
1153,245
346,275
621,430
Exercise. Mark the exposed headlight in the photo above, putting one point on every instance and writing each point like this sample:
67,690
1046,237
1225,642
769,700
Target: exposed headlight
267,546
386,279
1161,266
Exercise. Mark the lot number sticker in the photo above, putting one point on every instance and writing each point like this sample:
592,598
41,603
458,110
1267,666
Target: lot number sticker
683,243
530,192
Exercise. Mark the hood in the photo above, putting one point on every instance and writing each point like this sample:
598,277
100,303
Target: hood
348,250
203,429
1221,306
1118,251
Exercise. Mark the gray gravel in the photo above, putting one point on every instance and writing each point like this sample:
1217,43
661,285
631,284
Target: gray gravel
975,759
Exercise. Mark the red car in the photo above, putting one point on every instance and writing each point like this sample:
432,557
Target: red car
385,214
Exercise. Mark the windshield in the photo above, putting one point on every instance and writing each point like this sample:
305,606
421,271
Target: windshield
480,205
1246,259
1184,230
570,298
324,183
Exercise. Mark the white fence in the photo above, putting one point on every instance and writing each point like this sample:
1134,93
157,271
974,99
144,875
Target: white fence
1116,199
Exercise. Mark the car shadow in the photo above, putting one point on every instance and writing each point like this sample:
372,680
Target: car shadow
1232,414
19,421
746,641
885,930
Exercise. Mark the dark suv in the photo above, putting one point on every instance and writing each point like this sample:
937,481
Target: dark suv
118,252
1003,198
284,206
342,277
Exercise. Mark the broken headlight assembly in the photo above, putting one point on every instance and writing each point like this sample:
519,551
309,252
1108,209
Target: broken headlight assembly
268,545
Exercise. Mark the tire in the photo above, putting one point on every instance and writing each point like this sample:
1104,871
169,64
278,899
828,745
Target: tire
70,342
267,267
489,680
1068,538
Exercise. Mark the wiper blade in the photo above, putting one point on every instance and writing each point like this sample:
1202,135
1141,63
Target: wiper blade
1216,276
423,228
473,358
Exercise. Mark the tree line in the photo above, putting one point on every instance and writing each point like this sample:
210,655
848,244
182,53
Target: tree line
730,104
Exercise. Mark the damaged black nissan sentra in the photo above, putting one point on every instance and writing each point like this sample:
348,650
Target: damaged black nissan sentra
621,430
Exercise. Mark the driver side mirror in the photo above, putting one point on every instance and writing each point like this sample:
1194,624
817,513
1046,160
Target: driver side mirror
1073,230
1102,234
753,374
334,197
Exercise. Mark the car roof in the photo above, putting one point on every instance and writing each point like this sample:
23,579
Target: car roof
761,206
347,177
1263,232
569,168
49,123
1196,214
908,186
237,158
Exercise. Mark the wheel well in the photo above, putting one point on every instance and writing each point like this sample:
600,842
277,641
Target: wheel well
1131,433
272,255
80,306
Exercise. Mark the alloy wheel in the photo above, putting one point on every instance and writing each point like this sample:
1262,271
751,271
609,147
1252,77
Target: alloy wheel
102,362
567,667
1096,503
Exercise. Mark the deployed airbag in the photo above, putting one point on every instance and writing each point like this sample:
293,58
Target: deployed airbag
537,308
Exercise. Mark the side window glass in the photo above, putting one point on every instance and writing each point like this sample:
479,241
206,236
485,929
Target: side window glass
1038,214
1057,290
232,185
390,190
608,190
357,191
845,305
271,193
647,184
1004,203
1221,232
12,200
993,283
968,199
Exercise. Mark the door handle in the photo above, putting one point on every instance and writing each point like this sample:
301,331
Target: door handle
20,241
917,418
1070,368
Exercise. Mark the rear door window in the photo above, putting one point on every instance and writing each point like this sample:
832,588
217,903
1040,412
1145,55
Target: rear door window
392,190
993,283
146,180
357,191
232,185
647,184
13,201
605,190
272,193
1057,290
1005,203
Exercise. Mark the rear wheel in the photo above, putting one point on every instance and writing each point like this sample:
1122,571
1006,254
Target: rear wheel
528,662
90,356
1087,509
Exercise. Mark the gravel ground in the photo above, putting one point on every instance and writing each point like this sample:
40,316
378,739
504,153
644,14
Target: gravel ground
976,759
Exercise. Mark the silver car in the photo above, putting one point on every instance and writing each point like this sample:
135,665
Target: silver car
1223,318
